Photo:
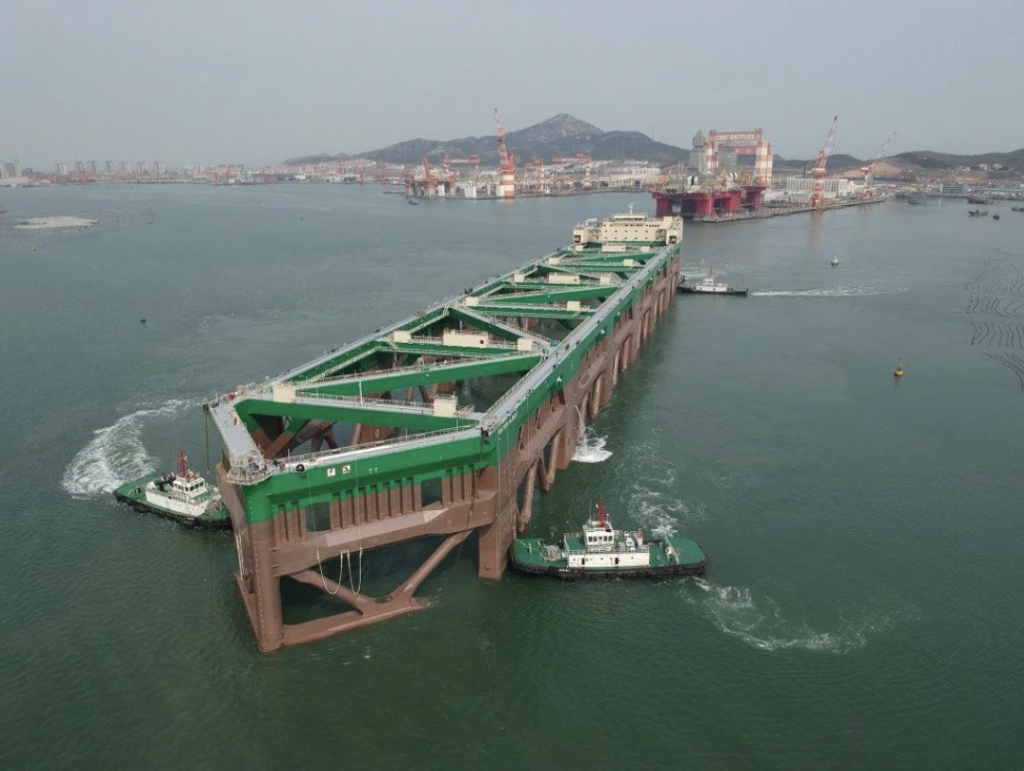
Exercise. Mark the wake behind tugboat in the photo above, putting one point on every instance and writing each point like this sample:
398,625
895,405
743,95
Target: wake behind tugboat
600,551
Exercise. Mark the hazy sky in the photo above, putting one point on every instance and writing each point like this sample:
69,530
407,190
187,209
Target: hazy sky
249,81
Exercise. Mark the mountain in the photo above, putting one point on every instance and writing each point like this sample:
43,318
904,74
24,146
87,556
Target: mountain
914,162
562,136
836,163
318,158
929,159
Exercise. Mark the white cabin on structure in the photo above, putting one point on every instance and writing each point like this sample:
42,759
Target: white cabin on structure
604,548
628,229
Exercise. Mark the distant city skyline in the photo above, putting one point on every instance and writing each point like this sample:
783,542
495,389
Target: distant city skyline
223,81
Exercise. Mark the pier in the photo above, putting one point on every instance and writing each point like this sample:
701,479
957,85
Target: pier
375,443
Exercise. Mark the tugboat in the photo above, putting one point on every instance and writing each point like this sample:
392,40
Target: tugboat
600,551
183,496
708,286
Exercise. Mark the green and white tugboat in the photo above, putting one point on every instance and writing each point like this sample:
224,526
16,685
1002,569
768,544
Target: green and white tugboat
183,496
600,551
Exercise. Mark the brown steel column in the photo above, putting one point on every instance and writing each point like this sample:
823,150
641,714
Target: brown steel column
267,588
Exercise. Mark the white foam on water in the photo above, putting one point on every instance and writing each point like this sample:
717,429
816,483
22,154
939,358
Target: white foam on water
756,619
652,499
116,453
661,512
591,448
841,291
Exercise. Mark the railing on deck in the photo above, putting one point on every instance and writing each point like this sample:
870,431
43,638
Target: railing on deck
253,470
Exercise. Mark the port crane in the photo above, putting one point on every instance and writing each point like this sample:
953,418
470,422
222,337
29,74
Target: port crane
507,162
428,173
817,199
869,166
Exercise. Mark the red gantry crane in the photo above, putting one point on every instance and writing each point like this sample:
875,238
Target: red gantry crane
507,162
818,172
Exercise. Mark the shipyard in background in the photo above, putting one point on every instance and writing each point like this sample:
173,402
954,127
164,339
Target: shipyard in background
724,176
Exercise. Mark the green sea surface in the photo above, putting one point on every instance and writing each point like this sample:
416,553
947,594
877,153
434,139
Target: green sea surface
862,607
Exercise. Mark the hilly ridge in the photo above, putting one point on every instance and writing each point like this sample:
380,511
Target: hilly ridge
566,136
560,136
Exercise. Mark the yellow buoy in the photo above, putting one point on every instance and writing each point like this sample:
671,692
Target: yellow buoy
899,369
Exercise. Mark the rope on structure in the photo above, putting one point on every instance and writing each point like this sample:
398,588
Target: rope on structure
319,564
351,584
323,580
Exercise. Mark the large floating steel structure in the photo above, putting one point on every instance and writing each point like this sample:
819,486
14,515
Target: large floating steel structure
377,443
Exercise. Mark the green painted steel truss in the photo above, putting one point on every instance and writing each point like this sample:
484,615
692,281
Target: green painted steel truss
443,391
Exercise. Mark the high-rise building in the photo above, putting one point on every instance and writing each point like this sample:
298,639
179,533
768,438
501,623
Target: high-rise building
140,167
94,168
124,167
158,168
79,167
60,169
108,167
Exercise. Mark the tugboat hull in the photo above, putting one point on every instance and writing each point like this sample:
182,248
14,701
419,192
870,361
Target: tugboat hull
693,290
658,558
577,574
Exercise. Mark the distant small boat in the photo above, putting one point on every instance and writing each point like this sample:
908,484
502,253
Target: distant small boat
835,261
412,202
995,216
977,212
899,369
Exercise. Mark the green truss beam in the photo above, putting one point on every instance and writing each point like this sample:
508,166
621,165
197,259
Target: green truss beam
534,311
342,360
424,376
485,325
437,349
345,412
555,296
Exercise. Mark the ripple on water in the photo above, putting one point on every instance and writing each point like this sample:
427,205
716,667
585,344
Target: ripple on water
758,620
839,291
653,501
116,453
